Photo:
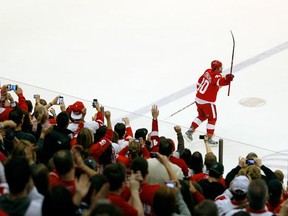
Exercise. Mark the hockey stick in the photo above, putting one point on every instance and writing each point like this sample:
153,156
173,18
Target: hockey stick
181,109
231,68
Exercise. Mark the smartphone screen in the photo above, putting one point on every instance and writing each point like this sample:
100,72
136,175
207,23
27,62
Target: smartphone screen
12,87
60,100
94,102
250,162
170,184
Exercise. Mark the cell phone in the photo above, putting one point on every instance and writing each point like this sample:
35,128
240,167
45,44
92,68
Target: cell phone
95,101
12,87
201,136
250,162
60,100
170,184
153,155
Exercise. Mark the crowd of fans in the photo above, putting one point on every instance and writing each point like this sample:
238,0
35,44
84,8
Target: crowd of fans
62,164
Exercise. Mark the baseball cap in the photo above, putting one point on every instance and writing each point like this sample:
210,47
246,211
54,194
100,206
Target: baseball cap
142,132
240,183
76,110
217,168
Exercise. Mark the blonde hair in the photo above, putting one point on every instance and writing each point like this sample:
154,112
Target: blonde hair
253,172
279,175
134,148
85,139
19,149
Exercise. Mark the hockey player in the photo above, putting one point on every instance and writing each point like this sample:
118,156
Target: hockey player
207,89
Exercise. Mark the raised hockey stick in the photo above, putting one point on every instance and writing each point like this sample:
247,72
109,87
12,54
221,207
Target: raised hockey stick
181,109
231,67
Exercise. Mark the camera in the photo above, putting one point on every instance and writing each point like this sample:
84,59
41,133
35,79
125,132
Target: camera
250,162
11,87
153,155
201,136
170,184
95,101
60,100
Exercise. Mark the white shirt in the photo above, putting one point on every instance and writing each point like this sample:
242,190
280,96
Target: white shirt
158,173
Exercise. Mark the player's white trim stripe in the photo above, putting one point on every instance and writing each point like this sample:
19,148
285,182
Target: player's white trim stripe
197,121
213,111
210,127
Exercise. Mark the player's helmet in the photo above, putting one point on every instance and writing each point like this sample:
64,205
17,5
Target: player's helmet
215,65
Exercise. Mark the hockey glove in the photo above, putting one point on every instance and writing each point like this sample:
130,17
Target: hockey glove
229,77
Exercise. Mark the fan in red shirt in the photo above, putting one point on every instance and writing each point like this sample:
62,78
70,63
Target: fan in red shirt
4,111
207,89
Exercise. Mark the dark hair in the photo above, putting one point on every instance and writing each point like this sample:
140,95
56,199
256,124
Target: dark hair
58,202
106,157
239,195
213,174
186,156
63,161
140,164
40,175
17,172
116,175
16,115
120,128
27,125
106,209
186,194
62,119
257,194
207,207
115,138
275,191
100,133
30,106
165,147
97,181
196,162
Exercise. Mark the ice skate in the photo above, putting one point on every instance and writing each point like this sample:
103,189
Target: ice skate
212,142
189,134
